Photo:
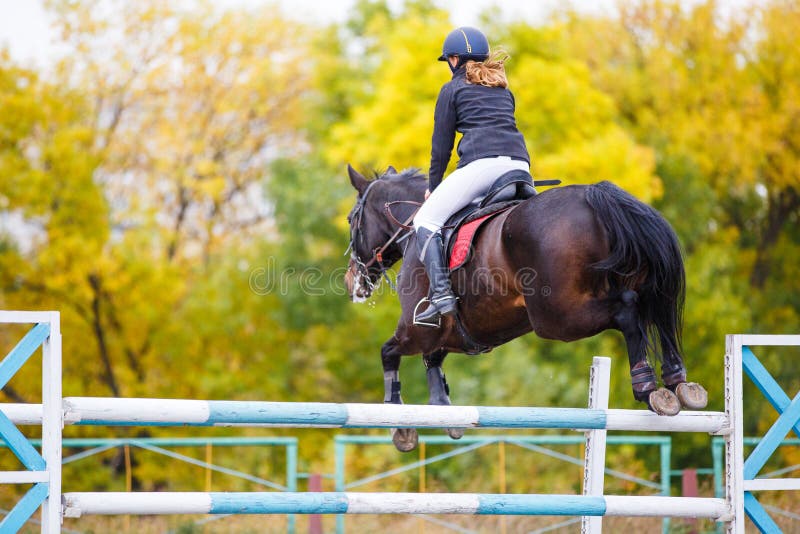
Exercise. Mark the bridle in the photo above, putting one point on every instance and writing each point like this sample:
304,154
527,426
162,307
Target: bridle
403,232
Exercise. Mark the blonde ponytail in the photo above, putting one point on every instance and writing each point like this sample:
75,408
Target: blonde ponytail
491,72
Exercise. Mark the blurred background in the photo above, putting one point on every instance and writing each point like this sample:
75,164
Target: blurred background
172,180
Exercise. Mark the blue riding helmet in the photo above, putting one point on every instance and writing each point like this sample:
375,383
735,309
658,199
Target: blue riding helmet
466,43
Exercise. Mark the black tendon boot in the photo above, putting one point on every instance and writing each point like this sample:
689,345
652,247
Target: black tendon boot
442,300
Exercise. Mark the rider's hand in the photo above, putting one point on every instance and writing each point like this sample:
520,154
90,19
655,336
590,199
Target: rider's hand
427,193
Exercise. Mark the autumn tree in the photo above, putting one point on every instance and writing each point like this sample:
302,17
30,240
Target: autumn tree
141,162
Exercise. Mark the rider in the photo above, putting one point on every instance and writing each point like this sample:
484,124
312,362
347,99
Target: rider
477,103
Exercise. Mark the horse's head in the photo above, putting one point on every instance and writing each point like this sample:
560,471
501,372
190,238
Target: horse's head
374,236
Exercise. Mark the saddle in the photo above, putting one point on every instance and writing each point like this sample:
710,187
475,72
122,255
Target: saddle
461,228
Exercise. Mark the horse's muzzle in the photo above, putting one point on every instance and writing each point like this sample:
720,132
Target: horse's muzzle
354,281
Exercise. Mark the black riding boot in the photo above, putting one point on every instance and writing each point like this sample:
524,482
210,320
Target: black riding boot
442,300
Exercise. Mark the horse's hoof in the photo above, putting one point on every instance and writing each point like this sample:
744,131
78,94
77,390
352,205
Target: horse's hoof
405,439
455,433
692,395
664,402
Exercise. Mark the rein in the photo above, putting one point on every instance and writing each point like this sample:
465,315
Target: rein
388,209
377,255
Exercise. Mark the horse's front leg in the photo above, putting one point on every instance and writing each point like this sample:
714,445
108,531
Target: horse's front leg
437,385
404,439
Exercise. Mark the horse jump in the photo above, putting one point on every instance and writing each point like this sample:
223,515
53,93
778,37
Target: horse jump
44,470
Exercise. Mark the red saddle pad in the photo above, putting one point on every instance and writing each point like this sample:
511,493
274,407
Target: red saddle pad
460,251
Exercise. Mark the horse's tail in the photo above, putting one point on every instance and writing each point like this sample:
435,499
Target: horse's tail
646,257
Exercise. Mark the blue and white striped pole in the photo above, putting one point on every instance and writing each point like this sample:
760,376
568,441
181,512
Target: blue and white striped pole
139,503
171,412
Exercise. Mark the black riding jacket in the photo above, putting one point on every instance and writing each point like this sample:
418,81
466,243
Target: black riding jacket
485,117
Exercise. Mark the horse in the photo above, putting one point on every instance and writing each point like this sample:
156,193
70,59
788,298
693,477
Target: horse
567,263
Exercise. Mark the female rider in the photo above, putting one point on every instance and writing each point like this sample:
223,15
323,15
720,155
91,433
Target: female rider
477,103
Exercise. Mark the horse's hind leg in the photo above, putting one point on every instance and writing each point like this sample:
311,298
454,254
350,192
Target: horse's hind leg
437,385
673,372
643,378
404,439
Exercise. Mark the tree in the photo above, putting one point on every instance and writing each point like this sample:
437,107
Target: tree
394,121
140,163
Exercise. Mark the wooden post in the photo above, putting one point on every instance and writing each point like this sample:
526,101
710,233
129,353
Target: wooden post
689,489
315,520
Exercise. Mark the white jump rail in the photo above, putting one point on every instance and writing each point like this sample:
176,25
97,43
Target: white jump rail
99,411
141,503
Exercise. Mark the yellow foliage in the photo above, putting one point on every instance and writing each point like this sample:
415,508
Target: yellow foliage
556,103
145,153
609,156
395,124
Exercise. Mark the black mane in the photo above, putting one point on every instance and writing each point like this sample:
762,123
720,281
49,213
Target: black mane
412,173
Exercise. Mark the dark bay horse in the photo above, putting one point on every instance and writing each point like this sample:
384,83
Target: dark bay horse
566,264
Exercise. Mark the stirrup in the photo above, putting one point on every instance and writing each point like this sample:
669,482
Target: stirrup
437,324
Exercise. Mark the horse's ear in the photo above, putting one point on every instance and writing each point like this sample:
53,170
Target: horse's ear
391,170
357,179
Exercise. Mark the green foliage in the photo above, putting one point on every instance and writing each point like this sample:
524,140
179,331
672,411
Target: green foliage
306,268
